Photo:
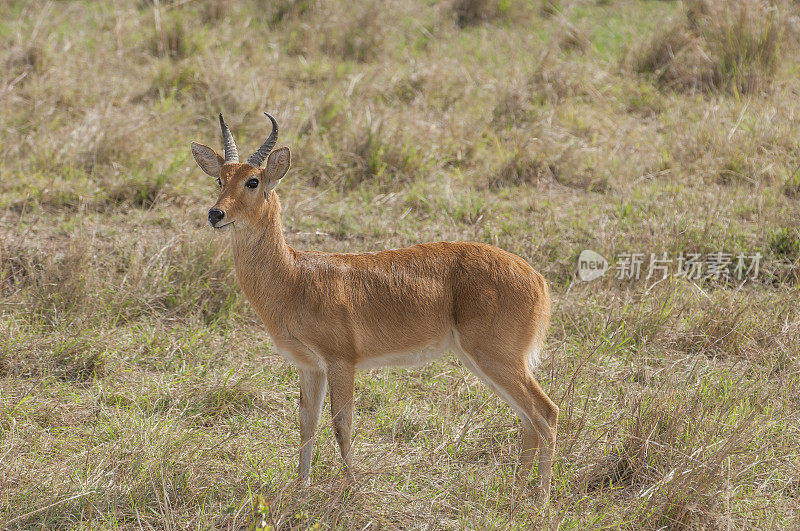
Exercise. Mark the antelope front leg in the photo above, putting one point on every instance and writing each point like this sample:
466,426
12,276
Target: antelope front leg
341,380
312,395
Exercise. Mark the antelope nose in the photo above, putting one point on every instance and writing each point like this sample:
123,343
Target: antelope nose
215,215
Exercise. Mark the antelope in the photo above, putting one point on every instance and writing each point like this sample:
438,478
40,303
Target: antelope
330,314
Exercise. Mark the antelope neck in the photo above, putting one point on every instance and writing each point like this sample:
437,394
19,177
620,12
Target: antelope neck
261,256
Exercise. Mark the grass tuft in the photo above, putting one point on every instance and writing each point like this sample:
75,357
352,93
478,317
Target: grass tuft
472,12
171,36
715,45
785,243
522,168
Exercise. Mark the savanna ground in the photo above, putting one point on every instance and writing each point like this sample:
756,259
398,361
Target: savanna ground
137,389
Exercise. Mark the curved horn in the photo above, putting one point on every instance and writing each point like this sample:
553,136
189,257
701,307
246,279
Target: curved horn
257,158
231,153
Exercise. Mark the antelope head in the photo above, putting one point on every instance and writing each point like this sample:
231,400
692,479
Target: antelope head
244,187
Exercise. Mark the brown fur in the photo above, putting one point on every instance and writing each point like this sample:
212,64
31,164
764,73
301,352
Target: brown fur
329,313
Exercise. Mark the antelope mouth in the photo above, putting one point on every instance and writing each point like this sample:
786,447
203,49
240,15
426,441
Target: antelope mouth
224,225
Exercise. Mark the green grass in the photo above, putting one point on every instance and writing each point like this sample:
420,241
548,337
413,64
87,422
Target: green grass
138,389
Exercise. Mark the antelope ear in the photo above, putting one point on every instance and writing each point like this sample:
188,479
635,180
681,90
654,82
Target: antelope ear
277,166
207,159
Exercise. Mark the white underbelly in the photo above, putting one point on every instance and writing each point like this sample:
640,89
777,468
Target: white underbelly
302,358
408,358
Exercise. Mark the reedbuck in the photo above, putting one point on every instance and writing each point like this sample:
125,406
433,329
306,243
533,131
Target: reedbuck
332,313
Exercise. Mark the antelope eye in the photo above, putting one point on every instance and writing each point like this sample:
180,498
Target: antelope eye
251,183
219,183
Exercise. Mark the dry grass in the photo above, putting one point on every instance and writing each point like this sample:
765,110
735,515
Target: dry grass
717,45
137,389
472,12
